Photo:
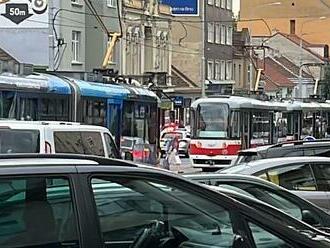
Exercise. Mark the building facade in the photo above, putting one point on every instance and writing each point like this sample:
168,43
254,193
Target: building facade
304,17
59,35
146,49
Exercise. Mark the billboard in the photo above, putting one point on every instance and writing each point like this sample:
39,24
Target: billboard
23,13
183,7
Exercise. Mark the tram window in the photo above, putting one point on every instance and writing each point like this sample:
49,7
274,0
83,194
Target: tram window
153,125
235,125
8,103
28,109
261,126
212,120
94,112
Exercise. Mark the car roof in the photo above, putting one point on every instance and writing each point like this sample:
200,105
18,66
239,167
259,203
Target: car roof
263,164
51,124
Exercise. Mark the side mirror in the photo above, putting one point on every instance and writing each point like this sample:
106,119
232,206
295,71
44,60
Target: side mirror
308,217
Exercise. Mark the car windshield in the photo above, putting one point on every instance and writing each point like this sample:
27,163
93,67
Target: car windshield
172,135
212,120
19,141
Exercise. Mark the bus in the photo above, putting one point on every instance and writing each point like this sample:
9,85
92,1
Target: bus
221,126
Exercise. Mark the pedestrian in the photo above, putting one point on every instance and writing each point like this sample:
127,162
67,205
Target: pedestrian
173,156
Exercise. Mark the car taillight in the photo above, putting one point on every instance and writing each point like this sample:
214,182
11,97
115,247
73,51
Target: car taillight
48,148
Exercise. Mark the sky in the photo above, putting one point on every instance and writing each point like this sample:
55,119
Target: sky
236,6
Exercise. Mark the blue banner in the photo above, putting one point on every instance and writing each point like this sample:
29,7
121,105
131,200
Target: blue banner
183,7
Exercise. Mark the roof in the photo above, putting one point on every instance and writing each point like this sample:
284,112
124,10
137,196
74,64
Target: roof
263,164
276,75
237,102
43,82
305,44
52,124
289,65
179,79
93,89
27,46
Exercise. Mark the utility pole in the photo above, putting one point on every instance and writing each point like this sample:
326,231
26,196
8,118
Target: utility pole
203,74
51,62
300,93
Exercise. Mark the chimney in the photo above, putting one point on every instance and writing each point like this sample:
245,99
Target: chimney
292,26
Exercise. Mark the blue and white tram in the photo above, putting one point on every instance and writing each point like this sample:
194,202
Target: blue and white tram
35,97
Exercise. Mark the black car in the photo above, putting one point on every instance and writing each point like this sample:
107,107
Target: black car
269,193
290,149
79,201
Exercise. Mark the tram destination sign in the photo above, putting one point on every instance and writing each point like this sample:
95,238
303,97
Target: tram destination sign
24,14
183,7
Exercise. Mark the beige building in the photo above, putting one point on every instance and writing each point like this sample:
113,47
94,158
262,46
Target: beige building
146,42
307,18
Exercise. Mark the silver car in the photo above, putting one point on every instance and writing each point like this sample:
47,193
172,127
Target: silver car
308,177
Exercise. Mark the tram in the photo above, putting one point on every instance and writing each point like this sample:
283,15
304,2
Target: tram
124,110
222,126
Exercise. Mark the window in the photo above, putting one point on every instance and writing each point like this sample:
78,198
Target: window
229,39
223,70
76,43
229,4
217,70
111,146
217,33
249,74
94,112
210,70
128,206
37,212
239,74
223,34
210,32
234,72
217,3
262,237
223,4
212,120
229,70
322,174
294,177
112,3
28,141
79,142
210,2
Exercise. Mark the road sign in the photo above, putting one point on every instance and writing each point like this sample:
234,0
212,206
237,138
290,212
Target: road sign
183,7
24,14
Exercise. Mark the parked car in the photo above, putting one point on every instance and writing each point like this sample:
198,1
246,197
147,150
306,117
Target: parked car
134,149
319,148
56,137
269,193
184,141
308,177
44,201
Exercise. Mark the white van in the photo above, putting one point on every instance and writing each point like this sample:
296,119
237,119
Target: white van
56,137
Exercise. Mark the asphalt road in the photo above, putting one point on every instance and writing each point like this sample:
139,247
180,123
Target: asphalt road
185,167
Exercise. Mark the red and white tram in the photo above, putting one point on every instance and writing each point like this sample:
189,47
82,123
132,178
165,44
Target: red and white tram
221,126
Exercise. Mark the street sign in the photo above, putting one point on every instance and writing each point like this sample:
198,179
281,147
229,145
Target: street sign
178,101
24,14
183,7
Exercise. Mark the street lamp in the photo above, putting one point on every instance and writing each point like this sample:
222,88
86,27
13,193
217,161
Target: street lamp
300,54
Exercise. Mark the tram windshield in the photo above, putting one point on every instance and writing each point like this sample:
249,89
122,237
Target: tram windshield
212,120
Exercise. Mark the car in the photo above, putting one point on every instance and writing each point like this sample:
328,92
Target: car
269,193
319,148
56,137
51,200
272,211
308,177
134,149
184,141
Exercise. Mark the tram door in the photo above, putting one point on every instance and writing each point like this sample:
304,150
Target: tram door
114,111
245,130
